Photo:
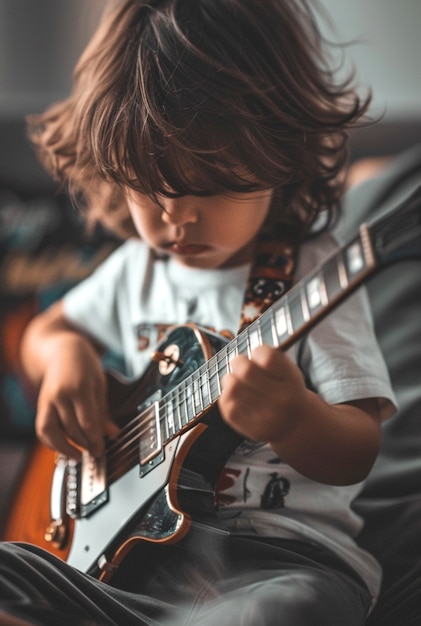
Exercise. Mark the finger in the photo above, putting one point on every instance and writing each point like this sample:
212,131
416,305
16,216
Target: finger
91,424
238,397
262,376
50,432
272,360
94,419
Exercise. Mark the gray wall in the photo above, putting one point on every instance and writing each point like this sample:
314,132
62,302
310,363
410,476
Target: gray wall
388,55
41,39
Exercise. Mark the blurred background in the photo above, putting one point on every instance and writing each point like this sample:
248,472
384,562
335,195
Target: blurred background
44,249
40,42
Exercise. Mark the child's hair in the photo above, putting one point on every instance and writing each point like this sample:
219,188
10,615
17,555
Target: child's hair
180,97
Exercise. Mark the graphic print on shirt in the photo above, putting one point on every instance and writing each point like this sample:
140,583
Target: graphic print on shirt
226,480
245,484
274,495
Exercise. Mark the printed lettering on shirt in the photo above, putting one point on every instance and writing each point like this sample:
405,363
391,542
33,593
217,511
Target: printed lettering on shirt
149,334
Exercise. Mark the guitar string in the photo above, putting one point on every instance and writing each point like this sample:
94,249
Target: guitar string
127,441
222,356
126,444
214,368
207,378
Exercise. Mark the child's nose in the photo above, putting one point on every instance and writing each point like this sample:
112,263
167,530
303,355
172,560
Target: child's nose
179,211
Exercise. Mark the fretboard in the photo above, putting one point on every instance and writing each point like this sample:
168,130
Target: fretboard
279,326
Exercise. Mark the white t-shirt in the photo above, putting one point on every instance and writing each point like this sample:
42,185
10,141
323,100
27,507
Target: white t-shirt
132,298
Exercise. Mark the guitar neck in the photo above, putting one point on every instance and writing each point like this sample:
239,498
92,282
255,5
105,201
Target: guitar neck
279,326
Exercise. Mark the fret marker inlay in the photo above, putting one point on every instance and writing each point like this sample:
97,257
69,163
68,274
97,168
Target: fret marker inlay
355,258
314,296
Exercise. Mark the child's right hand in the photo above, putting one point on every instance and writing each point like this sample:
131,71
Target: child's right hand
72,411
72,402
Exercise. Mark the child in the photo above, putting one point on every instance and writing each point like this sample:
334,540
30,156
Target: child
217,120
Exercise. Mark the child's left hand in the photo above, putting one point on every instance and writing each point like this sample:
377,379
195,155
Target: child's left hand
264,397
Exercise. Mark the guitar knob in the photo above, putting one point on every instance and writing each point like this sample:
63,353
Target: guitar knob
56,534
169,358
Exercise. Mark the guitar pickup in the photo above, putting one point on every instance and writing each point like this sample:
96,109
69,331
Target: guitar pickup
150,446
93,484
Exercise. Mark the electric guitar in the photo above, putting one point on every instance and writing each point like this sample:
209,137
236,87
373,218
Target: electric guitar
161,471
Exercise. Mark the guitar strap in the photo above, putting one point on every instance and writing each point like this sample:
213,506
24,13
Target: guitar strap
272,270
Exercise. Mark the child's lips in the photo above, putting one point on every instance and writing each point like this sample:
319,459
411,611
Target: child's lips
187,249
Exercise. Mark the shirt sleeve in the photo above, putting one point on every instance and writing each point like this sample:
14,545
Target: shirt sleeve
341,358
94,305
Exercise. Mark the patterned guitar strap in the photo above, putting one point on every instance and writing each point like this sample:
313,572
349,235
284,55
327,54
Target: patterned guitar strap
272,271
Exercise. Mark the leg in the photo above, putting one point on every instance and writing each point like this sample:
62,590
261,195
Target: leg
275,584
38,589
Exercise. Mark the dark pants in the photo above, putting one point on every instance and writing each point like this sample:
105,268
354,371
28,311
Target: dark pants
203,580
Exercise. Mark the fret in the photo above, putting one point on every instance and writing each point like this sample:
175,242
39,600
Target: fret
170,415
283,324
191,411
304,305
177,413
343,276
332,281
222,361
243,346
204,388
182,405
268,329
296,309
316,295
213,378
354,258
196,398
255,338
231,352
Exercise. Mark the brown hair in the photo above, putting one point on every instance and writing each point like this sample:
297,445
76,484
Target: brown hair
181,97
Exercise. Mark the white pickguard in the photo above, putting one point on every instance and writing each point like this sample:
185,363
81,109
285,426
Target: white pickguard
127,495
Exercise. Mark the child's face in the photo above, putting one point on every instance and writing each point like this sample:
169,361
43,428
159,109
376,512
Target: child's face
203,232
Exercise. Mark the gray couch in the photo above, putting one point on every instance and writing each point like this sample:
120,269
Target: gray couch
391,501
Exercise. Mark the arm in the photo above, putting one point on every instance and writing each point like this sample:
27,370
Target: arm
265,399
65,365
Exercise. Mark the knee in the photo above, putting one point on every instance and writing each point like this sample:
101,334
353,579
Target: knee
299,599
291,599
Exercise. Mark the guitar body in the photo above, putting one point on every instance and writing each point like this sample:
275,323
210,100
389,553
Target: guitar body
155,504
30,515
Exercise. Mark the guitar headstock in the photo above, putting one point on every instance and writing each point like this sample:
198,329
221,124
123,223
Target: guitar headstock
397,235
